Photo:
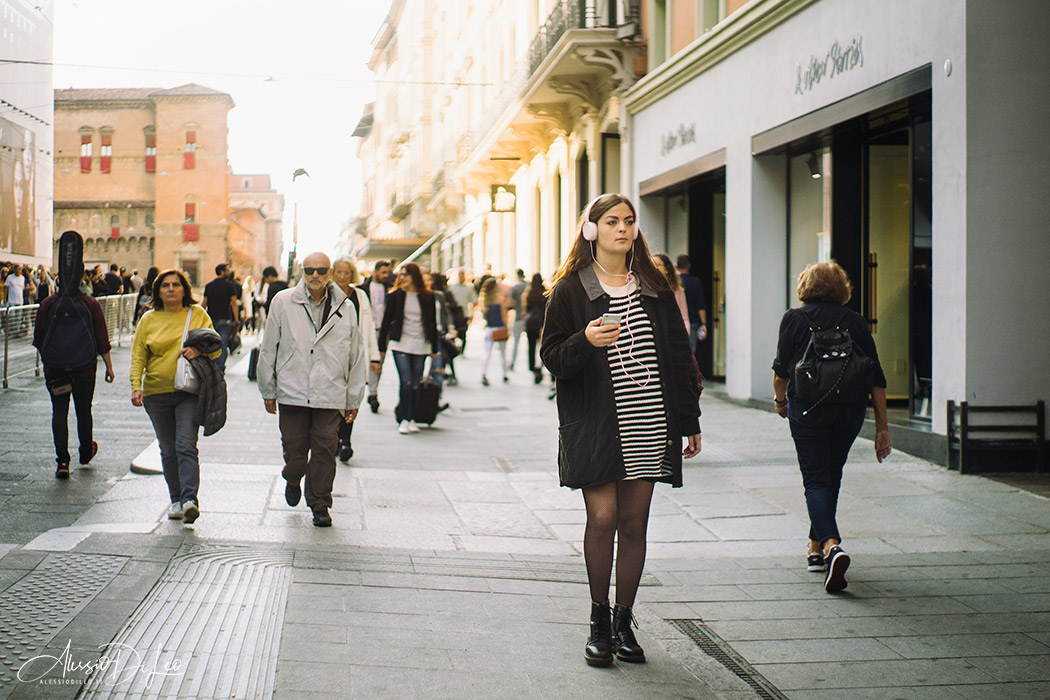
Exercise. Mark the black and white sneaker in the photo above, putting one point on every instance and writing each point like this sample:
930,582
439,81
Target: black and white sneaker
838,562
815,562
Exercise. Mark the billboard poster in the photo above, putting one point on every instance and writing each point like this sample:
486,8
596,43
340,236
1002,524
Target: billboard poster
17,189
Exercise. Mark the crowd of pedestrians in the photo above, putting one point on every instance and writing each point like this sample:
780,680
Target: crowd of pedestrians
617,328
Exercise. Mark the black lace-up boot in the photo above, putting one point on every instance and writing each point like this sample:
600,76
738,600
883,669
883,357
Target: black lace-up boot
598,651
626,646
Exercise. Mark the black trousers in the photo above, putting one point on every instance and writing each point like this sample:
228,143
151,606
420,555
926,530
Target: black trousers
82,395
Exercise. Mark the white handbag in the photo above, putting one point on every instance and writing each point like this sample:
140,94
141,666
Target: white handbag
185,379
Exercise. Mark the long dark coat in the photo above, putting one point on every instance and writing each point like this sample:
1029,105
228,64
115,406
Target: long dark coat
589,450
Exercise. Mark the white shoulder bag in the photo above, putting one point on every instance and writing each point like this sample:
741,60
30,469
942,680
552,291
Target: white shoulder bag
185,379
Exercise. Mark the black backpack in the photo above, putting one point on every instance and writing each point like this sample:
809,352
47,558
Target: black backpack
69,343
832,369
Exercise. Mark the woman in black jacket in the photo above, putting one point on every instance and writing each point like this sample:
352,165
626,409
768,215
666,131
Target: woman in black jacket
627,396
409,327
824,429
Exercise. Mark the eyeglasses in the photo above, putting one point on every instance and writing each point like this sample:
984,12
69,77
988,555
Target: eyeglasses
311,270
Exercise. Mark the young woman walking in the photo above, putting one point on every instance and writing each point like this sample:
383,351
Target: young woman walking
409,328
534,301
494,308
627,397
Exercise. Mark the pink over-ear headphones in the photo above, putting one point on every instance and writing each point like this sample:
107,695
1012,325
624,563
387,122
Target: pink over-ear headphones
590,229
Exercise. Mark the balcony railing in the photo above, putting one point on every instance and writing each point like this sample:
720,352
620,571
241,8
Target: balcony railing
567,15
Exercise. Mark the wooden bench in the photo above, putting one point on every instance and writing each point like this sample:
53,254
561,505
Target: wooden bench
1011,429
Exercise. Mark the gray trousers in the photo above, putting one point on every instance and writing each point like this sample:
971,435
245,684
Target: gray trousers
310,440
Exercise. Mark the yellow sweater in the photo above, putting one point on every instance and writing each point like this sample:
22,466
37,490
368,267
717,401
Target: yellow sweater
155,351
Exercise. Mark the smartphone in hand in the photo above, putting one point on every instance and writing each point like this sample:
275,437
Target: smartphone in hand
611,319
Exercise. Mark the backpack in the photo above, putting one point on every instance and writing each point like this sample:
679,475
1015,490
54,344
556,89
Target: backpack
69,343
832,369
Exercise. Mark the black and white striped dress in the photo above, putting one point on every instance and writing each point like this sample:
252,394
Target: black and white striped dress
636,387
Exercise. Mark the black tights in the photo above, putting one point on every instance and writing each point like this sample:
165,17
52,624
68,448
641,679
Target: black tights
617,511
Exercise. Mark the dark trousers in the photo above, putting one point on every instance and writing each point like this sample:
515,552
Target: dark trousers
174,422
224,327
534,339
410,372
310,441
823,438
82,394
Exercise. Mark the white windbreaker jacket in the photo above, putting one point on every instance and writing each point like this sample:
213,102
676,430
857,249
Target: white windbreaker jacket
318,368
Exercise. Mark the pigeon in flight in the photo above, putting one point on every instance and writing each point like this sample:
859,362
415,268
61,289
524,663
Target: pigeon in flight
298,172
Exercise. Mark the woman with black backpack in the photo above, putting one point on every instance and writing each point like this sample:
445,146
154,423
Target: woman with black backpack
70,332
826,406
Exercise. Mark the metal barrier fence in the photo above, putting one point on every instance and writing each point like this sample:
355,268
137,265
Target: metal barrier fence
16,326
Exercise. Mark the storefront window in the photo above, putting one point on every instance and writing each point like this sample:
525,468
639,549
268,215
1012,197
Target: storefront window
809,212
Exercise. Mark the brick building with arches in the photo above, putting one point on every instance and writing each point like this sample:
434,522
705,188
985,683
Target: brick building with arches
143,175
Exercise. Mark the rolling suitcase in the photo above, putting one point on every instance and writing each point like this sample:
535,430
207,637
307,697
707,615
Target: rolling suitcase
429,397
253,365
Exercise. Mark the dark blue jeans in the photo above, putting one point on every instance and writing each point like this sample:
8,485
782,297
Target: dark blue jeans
172,415
410,371
823,438
224,327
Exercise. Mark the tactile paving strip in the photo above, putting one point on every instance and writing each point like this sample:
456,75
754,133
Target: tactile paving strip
40,604
210,628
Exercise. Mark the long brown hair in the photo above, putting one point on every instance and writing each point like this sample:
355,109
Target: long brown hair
582,252
187,291
420,285
670,274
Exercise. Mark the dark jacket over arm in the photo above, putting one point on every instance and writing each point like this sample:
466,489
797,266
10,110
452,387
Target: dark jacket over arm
589,452
211,399
394,317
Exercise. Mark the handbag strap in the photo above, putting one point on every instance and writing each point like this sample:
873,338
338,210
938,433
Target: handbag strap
186,330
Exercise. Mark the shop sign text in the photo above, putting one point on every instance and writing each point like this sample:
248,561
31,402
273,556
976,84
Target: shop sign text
676,139
839,59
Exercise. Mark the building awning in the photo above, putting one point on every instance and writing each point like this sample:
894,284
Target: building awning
423,248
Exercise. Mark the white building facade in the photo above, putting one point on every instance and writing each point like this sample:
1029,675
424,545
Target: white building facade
905,140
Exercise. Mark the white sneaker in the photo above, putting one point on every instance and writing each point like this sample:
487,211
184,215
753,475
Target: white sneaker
175,511
405,428
412,427
190,512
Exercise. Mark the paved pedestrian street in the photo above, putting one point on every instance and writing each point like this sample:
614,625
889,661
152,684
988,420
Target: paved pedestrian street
454,567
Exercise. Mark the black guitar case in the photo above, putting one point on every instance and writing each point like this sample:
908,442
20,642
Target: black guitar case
70,263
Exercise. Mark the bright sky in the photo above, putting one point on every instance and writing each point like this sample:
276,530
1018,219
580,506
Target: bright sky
315,50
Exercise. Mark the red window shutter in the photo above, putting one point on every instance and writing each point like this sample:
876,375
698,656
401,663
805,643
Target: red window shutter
105,159
191,137
85,161
151,153
114,233
189,160
190,233
191,212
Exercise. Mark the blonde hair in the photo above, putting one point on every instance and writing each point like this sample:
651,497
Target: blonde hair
355,274
825,281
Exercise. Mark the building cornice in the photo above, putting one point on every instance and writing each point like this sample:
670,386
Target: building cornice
747,24
106,204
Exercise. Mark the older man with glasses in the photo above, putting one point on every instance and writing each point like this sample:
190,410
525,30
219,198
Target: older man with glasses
312,370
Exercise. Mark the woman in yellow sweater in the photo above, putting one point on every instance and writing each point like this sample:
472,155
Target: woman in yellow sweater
155,353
